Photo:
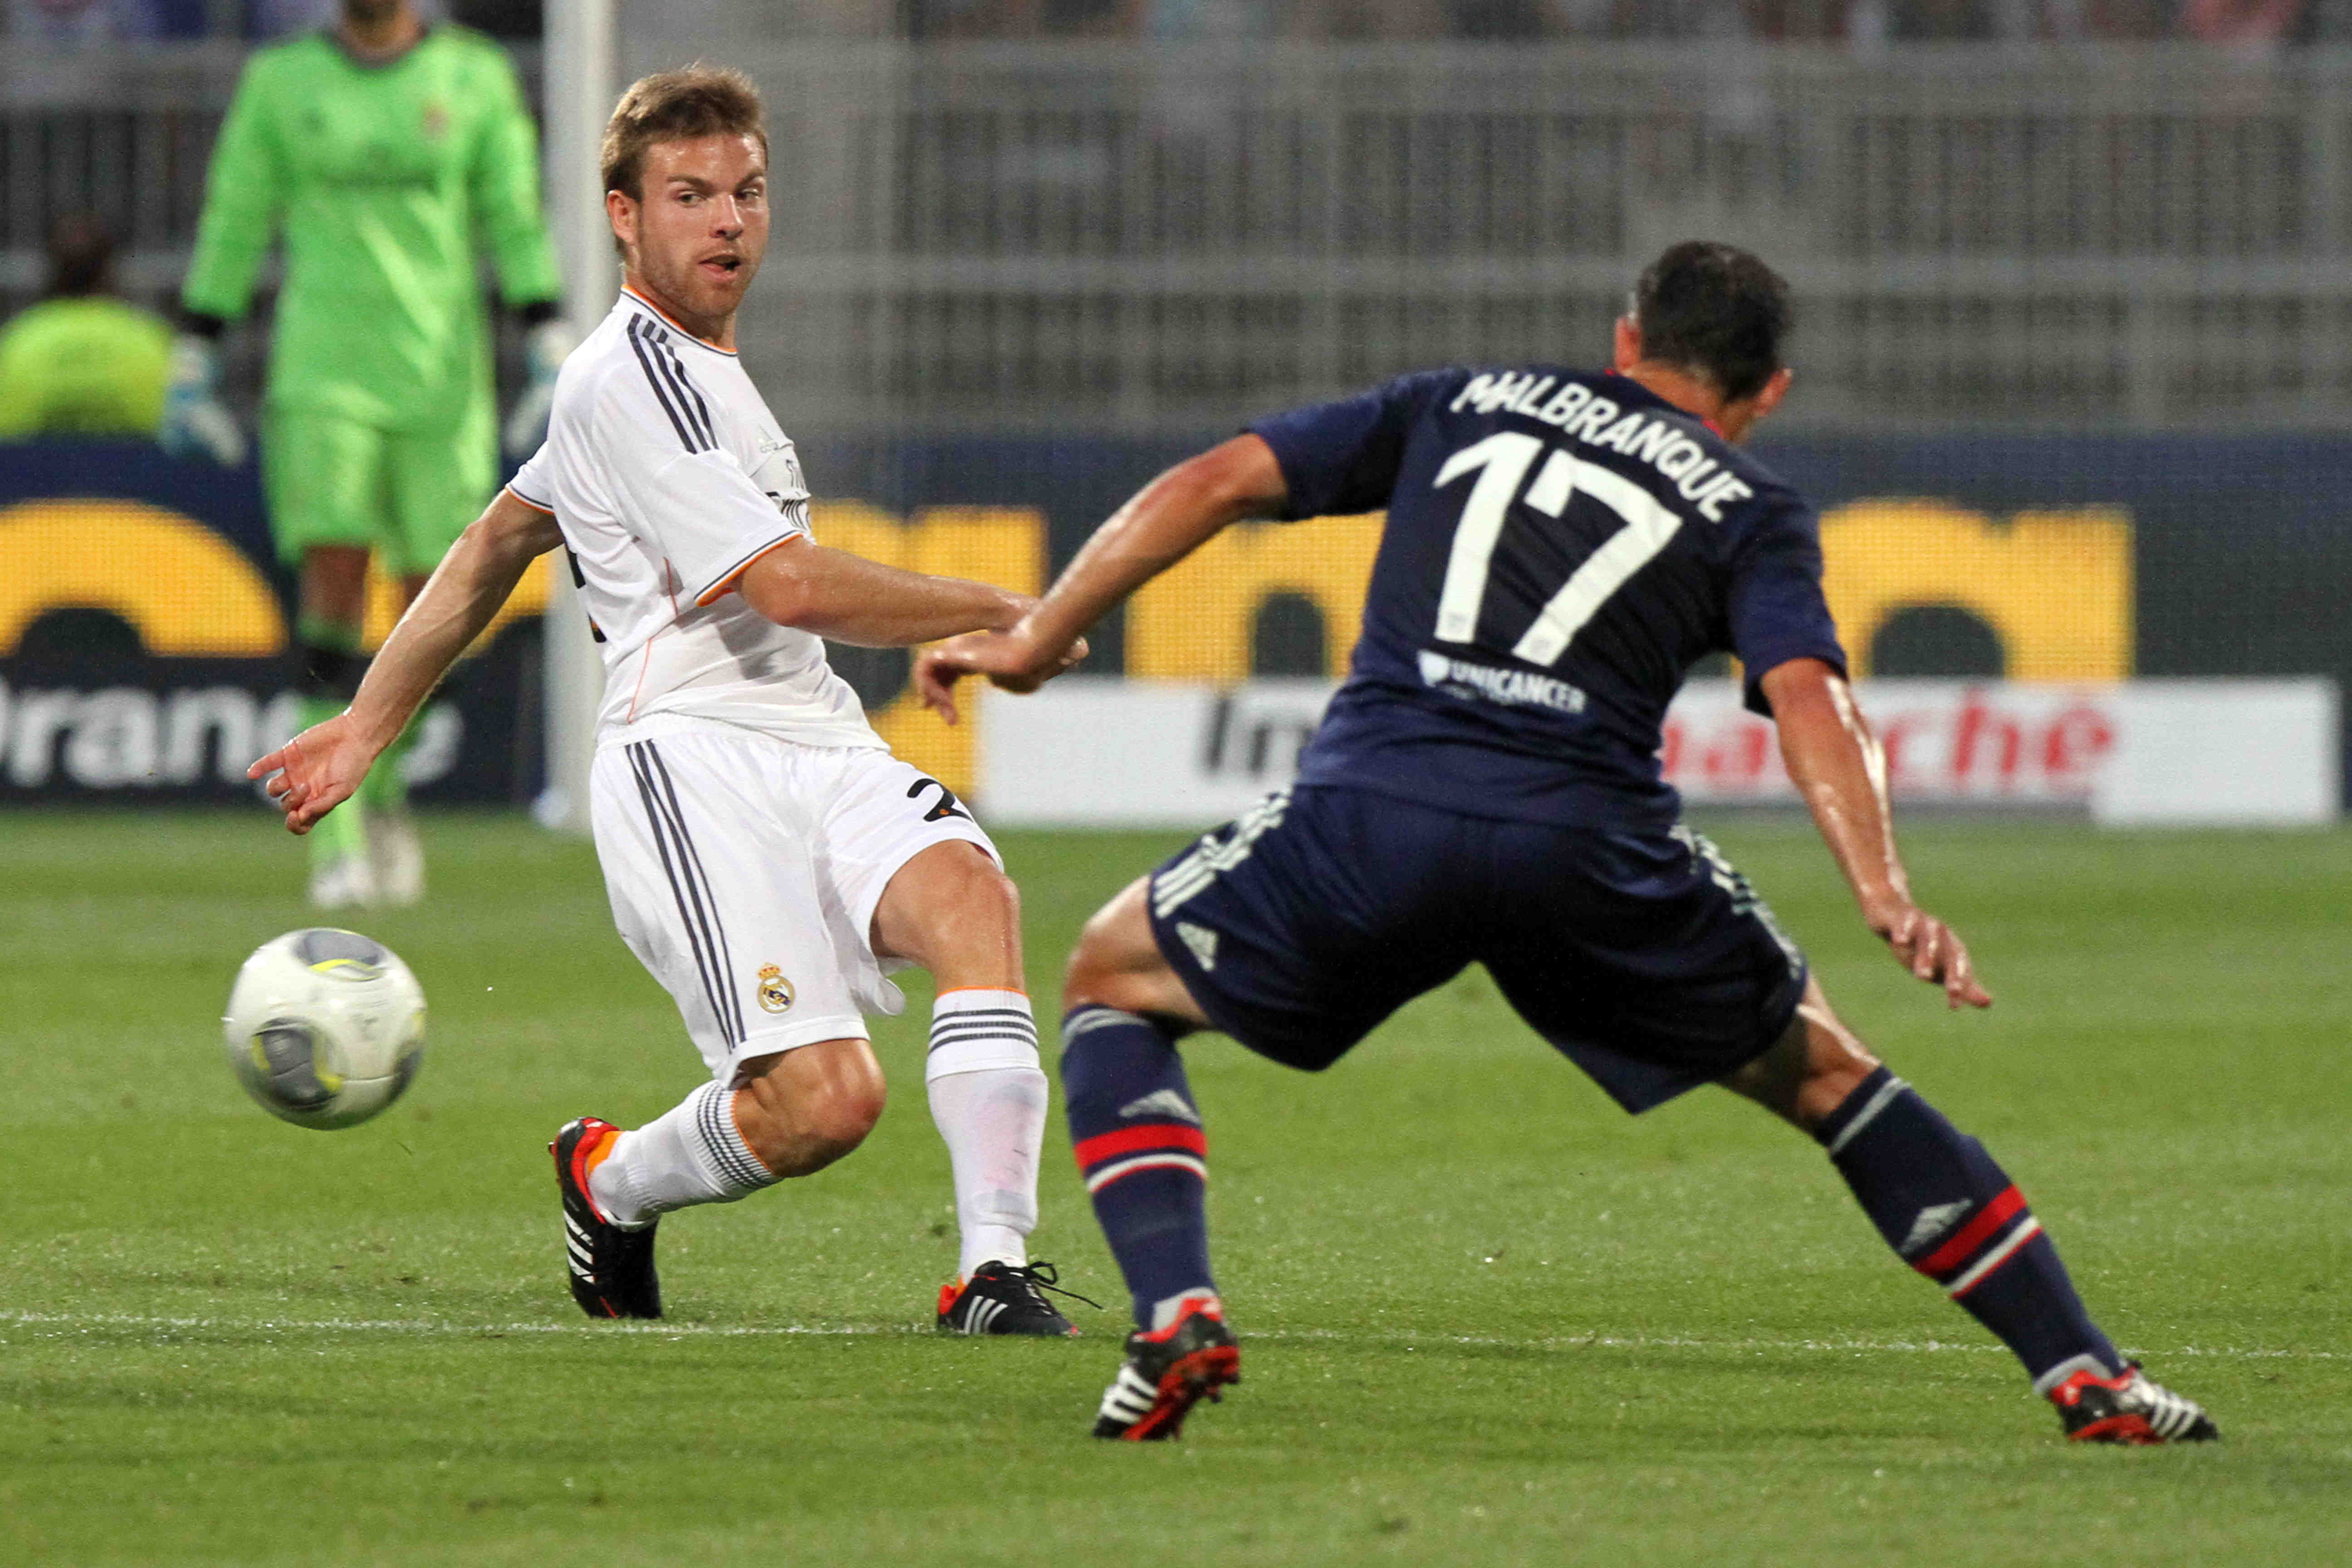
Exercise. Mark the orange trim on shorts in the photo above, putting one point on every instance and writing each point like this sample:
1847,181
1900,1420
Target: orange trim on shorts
953,989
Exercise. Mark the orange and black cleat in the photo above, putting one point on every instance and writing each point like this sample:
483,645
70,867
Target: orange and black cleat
612,1269
2130,1409
1167,1372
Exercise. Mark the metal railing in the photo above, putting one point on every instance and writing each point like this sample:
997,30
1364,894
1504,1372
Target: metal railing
1115,238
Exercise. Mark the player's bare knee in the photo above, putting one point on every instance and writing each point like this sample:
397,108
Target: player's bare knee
1810,1069
1083,978
838,1119
803,1109
953,910
987,895
1106,966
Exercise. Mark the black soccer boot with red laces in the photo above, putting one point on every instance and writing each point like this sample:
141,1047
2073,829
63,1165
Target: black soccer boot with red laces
2132,1408
1167,1372
1006,1299
612,1269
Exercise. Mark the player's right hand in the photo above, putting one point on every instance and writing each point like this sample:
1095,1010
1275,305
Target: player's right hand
195,421
315,772
1930,950
1009,660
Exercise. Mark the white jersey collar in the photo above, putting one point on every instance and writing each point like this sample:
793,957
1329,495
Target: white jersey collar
631,297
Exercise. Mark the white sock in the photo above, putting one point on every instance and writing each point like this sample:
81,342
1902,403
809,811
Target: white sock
1168,1308
690,1154
988,1098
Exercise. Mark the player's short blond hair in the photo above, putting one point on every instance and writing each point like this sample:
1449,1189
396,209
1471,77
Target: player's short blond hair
677,106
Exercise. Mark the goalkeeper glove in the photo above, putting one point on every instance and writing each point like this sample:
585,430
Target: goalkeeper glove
195,421
545,348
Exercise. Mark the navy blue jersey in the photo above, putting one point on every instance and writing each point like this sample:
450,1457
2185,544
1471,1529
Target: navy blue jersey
1562,547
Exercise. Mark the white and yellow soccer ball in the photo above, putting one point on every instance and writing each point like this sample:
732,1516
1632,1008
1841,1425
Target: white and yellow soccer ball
325,1028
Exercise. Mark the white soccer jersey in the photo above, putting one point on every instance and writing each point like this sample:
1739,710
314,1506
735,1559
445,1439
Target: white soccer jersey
668,477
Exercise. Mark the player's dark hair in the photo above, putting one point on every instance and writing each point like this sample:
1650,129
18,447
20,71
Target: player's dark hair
677,106
81,255
1716,311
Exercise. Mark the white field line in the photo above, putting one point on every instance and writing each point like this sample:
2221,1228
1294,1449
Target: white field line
101,1321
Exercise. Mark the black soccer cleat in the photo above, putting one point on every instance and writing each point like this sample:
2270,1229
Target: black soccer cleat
1006,1299
1167,1373
2132,1408
612,1269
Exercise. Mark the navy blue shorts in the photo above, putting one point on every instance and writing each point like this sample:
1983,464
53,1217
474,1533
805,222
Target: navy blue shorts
1644,958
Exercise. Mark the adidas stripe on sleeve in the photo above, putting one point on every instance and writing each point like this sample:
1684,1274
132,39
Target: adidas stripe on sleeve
685,486
669,477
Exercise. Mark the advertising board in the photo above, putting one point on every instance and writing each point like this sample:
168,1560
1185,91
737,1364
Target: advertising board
1094,753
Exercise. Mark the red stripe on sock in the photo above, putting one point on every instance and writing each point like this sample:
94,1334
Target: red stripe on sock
1973,1235
1093,1150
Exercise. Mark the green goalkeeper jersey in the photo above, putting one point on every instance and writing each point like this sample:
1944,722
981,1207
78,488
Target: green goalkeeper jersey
383,179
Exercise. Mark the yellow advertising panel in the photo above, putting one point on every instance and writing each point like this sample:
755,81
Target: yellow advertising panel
2054,586
1002,545
1195,623
184,588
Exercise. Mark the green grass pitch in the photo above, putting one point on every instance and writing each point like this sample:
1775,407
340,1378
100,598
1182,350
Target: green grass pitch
1488,1319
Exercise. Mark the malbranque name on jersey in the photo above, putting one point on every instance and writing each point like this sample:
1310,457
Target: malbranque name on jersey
1576,411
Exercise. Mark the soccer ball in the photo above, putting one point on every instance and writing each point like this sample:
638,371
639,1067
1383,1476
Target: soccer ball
325,1028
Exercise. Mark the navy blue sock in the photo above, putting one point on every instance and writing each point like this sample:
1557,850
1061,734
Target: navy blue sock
1141,1151
1952,1214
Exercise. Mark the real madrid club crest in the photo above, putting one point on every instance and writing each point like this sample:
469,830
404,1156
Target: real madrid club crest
775,990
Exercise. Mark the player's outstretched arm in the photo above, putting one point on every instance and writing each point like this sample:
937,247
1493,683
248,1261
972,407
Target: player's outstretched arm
847,598
318,769
1841,772
1166,520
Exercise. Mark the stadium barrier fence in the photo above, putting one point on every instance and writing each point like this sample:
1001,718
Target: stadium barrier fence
1109,236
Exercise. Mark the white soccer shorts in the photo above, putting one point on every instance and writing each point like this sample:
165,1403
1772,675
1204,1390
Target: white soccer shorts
744,871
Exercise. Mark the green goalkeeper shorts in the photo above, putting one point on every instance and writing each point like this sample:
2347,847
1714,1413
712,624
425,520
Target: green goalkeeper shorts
407,497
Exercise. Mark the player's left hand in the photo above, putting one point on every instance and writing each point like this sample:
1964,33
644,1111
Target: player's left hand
1931,951
316,771
1012,661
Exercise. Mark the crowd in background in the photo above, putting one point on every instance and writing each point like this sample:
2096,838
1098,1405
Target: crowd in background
1861,23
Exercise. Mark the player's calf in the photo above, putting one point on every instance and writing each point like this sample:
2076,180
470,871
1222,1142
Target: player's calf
1950,1211
799,1112
691,1154
952,910
1143,1152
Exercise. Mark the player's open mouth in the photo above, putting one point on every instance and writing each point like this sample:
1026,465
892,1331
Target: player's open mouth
721,265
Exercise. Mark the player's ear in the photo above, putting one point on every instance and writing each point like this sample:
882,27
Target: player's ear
621,211
1773,391
1627,350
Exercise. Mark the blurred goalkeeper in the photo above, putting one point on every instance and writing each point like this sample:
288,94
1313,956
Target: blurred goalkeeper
385,151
